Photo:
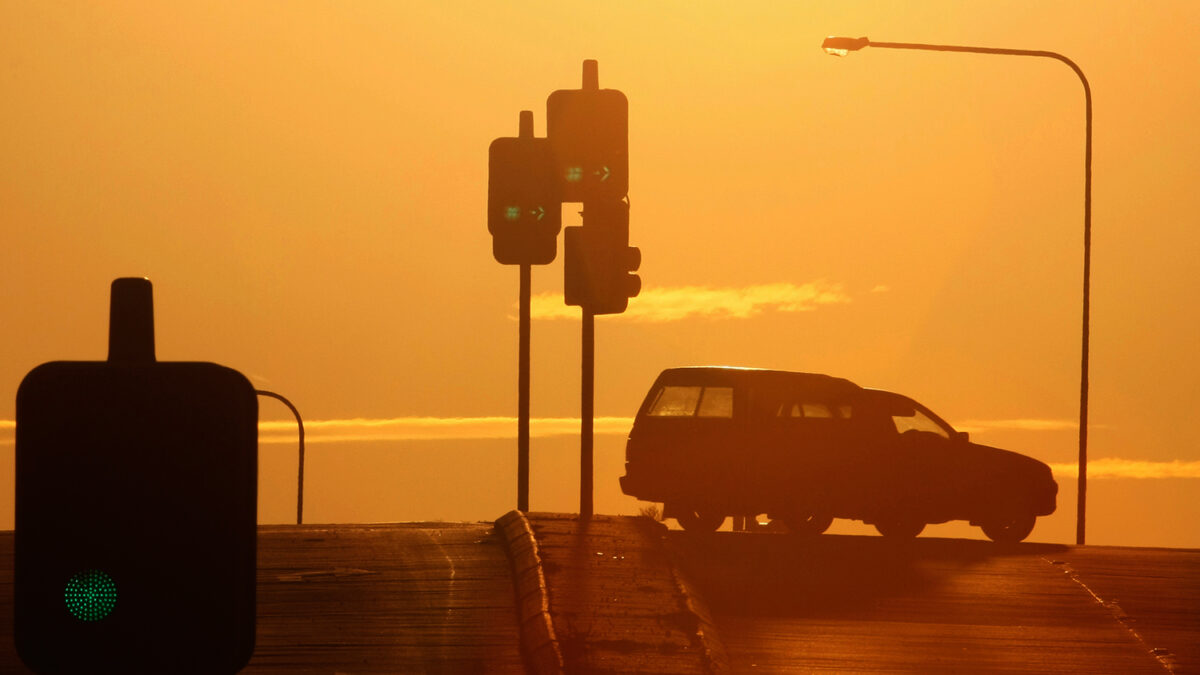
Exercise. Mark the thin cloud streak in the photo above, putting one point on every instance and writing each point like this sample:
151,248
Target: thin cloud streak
481,428
667,303
1113,467
431,428
361,430
974,426
467,428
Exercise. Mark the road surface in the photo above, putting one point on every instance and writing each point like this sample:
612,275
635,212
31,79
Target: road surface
404,598
868,604
624,592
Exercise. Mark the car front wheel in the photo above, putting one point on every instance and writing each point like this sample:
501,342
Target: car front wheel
702,520
1008,529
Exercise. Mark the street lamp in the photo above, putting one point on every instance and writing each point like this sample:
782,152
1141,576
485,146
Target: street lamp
841,46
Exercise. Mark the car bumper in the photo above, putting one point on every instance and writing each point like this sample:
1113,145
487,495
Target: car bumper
1045,501
644,486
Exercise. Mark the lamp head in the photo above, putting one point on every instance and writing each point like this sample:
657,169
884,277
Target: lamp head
840,46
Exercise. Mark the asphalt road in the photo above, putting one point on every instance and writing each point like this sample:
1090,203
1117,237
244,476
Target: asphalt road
867,604
439,598
404,598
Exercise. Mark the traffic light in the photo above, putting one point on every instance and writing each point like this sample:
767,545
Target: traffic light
599,264
588,130
136,501
524,206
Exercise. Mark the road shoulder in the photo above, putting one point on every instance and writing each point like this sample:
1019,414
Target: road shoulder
605,596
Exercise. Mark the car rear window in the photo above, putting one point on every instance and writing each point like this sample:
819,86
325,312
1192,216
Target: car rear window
694,400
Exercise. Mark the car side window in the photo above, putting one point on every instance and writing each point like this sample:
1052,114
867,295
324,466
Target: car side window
816,410
805,409
716,402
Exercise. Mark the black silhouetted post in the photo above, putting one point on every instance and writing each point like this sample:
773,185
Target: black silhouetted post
300,461
588,129
524,218
843,45
136,507
586,412
523,391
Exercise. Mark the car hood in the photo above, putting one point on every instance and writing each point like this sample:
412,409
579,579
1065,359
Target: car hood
1007,460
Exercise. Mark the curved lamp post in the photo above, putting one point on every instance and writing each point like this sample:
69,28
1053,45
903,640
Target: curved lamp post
300,463
841,46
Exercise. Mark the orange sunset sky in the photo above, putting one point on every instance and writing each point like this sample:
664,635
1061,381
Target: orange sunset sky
305,183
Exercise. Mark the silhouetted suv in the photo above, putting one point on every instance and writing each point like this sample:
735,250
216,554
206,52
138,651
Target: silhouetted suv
713,442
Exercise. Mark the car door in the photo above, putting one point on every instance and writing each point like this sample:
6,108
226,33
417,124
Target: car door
692,425
924,462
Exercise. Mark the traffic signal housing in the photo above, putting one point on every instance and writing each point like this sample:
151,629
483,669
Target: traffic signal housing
588,130
599,264
524,202
136,504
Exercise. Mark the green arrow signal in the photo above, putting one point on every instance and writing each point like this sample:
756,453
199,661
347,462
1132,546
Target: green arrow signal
539,212
603,173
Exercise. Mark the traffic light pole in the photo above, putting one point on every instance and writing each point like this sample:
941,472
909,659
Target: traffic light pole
523,394
587,390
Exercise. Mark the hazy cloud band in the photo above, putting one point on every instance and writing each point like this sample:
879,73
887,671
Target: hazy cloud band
674,303
974,426
431,428
1112,467
478,428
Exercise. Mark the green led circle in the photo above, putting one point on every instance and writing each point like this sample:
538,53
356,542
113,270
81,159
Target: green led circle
90,595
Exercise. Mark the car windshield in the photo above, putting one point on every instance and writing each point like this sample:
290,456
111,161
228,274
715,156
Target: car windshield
688,401
908,415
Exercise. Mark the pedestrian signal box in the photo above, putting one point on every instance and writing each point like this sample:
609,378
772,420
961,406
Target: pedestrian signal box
524,206
588,130
136,500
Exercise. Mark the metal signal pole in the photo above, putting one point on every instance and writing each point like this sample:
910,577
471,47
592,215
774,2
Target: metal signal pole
587,392
523,394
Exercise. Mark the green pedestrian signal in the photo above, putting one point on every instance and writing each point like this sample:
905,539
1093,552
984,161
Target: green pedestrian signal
90,595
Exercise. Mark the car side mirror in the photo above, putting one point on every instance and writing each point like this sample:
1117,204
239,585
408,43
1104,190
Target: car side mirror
961,437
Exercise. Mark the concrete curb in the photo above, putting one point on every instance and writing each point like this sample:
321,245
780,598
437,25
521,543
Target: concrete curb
713,649
544,650
539,643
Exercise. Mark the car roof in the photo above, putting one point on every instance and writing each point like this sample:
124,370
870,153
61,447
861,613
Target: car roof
756,377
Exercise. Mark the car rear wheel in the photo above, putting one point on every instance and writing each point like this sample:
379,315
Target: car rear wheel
702,520
899,527
810,525
1008,529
